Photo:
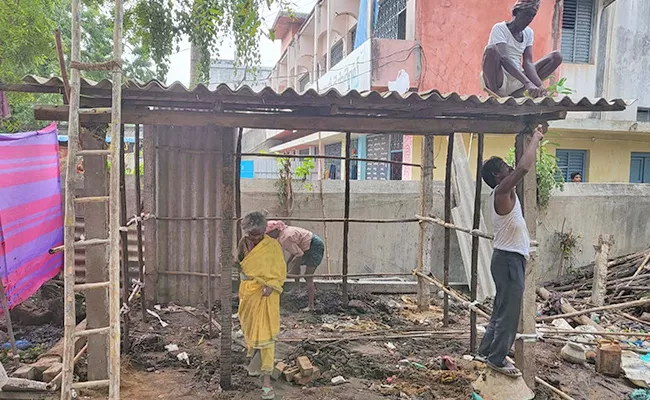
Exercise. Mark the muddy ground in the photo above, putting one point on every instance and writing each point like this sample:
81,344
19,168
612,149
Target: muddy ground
374,367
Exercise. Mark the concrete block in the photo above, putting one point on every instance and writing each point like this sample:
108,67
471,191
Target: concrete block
493,385
306,368
27,372
52,372
306,380
278,370
44,363
290,373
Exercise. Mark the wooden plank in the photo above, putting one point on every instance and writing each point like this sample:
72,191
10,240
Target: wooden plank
447,245
475,241
138,225
462,216
425,230
430,126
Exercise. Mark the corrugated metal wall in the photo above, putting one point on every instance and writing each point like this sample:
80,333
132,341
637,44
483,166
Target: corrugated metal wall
188,205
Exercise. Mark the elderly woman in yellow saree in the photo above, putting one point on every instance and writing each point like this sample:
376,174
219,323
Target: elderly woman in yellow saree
263,272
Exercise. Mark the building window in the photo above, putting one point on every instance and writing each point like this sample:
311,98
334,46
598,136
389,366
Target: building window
391,20
333,167
640,168
643,114
352,36
336,53
396,154
577,18
303,82
571,161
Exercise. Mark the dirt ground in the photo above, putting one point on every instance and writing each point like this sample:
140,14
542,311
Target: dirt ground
376,366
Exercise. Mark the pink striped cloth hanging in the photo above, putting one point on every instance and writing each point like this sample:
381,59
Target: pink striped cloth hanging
31,212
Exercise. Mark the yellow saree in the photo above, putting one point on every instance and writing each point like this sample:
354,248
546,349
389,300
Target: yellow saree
259,315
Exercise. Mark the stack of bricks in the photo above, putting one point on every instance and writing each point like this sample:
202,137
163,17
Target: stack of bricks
302,373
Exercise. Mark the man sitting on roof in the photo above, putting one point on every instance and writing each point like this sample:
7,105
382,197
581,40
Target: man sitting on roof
504,73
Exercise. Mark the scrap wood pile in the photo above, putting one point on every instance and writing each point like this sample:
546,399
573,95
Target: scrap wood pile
628,278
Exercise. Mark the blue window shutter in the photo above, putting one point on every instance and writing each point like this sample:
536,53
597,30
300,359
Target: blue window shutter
640,168
571,161
577,21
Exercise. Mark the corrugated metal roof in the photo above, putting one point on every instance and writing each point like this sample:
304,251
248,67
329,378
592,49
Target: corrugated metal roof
437,103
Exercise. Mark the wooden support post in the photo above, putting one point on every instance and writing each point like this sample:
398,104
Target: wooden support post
346,215
447,249
475,240
238,185
124,241
96,227
64,72
599,287
10,327
149,206
227,211
138,223
426,230
527,193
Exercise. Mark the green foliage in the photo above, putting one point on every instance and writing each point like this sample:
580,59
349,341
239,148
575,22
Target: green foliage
555,89
549,175
284,184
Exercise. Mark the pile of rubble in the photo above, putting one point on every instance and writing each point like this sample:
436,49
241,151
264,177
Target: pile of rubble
302,373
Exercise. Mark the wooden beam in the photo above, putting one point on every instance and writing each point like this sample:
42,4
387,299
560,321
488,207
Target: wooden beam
426,230
475,241
124,241
431,126
527,192
346,216
138,224
149,207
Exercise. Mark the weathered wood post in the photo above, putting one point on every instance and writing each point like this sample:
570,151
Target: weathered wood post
527,193
476,224
346,216
447,249
426,229
599,287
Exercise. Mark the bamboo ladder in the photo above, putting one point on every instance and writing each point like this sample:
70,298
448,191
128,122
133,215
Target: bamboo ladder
68,388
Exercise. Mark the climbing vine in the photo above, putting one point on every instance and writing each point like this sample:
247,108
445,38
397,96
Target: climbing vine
549,175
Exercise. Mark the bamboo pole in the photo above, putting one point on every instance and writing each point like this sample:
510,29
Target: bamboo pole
321,169
295,219
346,215
238,185
619,291
138,226
64,72
473,232
455,295
447,245
124,239
590,310
324,157
236,276
475,240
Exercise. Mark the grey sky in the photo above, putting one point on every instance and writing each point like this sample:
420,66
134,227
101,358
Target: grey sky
269,51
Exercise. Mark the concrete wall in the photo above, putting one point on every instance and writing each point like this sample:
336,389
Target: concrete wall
589,210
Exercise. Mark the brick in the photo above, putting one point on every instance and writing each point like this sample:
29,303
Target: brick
306,368
52,372
306,380
27,372
278,370
290,373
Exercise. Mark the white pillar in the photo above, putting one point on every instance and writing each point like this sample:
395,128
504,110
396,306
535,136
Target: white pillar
316,34
329,31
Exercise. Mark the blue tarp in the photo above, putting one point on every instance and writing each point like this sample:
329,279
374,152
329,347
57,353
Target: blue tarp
247,169
362,22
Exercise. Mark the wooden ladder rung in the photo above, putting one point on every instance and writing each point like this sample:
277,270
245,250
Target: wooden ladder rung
94,199
90,384
96,331
96,110
89,286
94,153
91,242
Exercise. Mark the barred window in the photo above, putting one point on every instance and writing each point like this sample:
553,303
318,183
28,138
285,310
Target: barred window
391,20
336,53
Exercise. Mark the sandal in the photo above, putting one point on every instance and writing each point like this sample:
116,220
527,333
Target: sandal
268,393
508,370
480,358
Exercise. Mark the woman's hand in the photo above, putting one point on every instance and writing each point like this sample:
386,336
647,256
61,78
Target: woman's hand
266,291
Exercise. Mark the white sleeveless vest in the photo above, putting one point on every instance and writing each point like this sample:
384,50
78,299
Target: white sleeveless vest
510,231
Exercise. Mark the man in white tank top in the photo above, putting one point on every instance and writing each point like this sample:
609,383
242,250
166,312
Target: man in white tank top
511,246
508,68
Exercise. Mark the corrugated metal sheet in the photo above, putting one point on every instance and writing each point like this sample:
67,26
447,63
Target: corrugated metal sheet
435,103
80,258
188,172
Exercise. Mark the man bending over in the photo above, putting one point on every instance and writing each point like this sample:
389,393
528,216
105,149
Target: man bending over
508,67
511,246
